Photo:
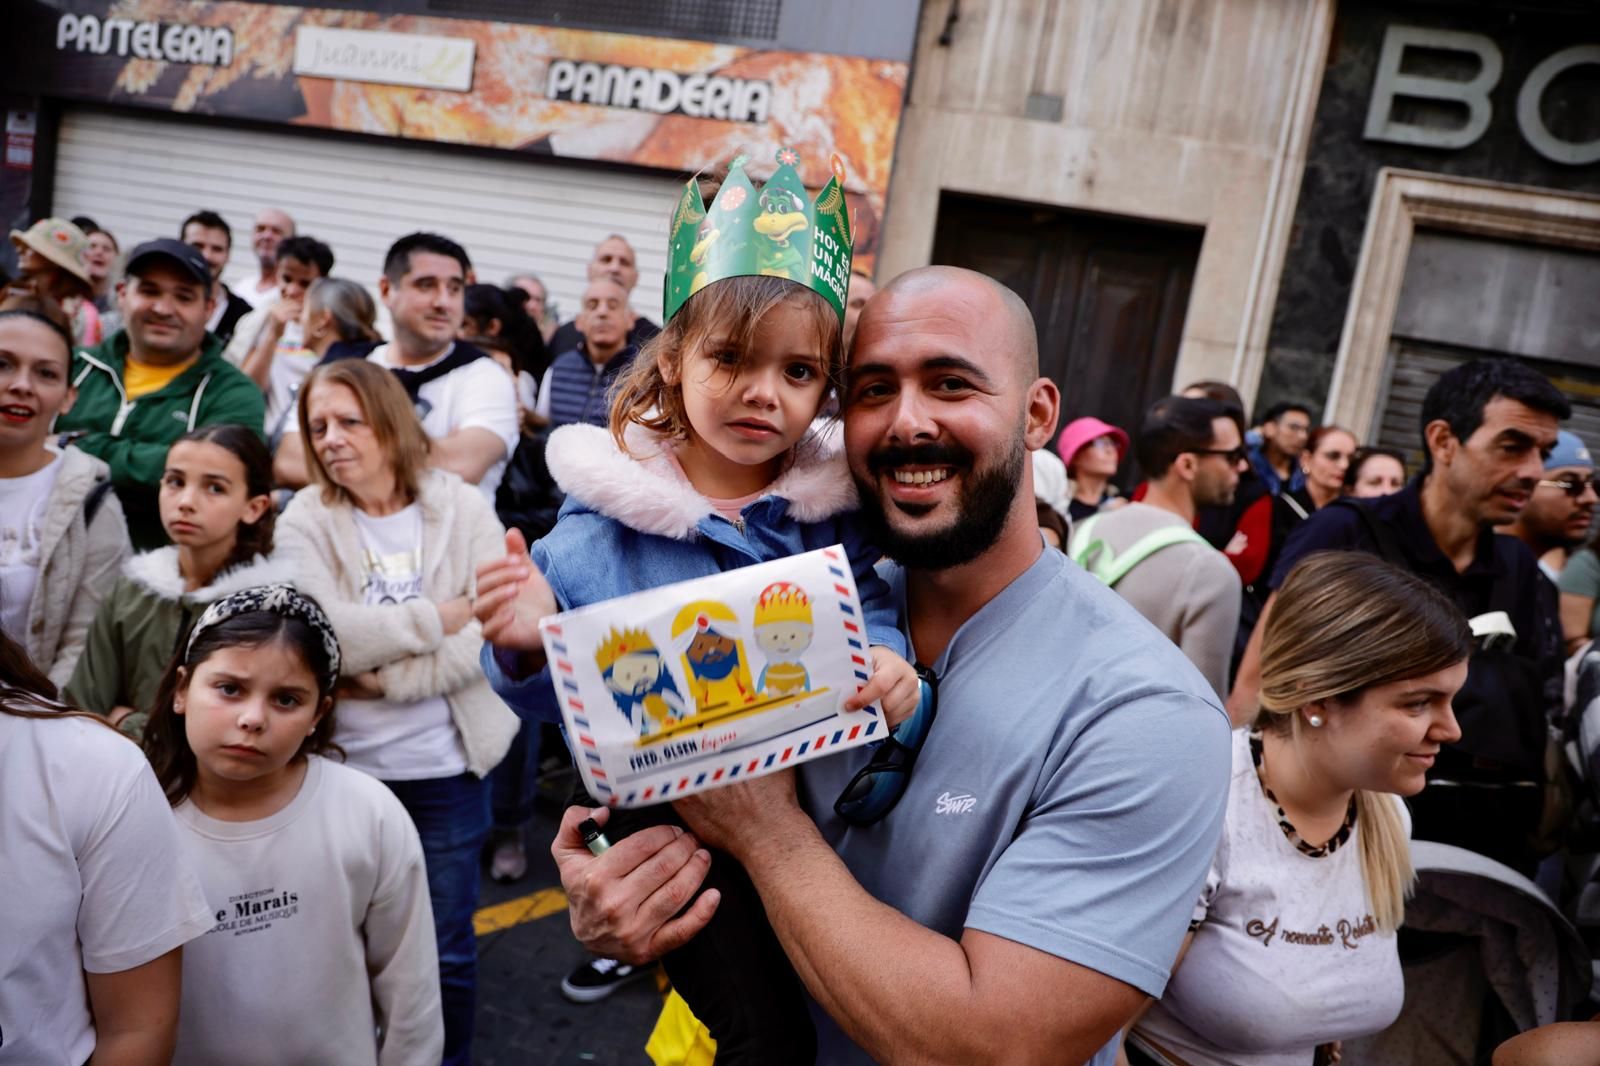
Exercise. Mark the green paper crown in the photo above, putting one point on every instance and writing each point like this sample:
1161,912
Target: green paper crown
778,233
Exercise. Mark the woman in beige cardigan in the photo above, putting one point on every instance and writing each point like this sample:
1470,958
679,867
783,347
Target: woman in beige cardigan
62,535
389,547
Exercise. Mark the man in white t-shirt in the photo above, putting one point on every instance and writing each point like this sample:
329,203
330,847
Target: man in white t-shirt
467,403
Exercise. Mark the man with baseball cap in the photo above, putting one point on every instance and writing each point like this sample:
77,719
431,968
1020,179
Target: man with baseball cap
159,377
1560,509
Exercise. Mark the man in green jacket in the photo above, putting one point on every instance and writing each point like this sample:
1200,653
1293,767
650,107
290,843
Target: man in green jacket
156,379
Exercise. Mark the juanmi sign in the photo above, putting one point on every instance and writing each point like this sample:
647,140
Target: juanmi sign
417,60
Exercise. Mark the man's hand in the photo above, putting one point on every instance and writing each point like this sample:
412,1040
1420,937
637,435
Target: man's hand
513,597
894,686
736,817
624,904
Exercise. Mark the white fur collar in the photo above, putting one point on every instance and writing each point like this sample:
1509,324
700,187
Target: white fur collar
644,491
157,572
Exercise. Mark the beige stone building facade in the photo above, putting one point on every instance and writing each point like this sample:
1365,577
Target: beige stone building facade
1158,114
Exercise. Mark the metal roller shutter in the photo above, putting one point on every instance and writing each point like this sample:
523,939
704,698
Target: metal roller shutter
140,175
1415,366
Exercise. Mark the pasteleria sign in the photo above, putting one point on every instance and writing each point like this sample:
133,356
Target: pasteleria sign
691,686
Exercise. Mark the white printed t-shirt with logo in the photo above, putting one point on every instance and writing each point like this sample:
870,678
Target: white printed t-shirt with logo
479,394
321,933
1286,955
93,876
22,505
397,741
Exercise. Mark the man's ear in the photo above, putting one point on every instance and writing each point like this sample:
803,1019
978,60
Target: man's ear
383,287
1186,465
1442,442
1042,414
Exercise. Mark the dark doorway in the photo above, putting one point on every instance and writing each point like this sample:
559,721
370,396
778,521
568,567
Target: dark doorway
1108,295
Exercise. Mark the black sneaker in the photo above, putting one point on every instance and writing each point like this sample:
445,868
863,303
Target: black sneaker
598,978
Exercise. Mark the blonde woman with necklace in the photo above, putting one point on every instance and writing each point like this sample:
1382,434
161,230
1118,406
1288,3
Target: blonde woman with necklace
1292,945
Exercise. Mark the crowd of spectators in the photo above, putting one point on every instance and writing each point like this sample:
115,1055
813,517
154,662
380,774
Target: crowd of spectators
1205,678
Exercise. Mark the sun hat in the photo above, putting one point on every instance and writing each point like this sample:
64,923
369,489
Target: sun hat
1080,431
58,241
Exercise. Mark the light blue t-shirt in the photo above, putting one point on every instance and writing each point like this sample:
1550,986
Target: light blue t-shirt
1069,797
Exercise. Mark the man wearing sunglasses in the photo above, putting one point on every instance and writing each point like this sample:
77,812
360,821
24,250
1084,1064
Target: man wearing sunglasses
1560,509
1018,892
1192,455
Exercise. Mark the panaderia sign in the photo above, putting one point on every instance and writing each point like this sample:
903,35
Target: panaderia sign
624,98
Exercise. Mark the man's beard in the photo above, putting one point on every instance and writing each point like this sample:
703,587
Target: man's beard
982,507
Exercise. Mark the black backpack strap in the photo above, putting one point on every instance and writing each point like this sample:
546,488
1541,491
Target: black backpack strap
1387,545
460,356
92,501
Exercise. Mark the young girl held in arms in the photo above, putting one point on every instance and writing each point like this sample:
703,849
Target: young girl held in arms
323,948
216,508
711,464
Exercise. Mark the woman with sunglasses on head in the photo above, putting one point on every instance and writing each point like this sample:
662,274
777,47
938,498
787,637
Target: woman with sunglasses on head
1273,518
1292,944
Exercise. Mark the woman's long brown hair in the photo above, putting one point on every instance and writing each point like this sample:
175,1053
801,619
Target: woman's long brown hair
25,691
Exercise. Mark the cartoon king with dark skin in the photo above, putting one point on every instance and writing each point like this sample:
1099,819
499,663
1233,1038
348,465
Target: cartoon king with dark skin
784,628
639,681
714,661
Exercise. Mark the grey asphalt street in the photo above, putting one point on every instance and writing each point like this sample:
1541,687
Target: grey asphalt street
523,1019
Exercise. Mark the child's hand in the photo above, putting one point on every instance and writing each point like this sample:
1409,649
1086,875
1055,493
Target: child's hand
894,687
513,597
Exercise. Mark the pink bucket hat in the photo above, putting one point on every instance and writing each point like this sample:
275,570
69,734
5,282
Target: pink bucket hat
1081,431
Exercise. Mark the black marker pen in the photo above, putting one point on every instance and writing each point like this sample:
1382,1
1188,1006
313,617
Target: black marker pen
593,837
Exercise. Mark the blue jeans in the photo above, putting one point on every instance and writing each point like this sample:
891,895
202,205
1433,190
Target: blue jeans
514,783
452,818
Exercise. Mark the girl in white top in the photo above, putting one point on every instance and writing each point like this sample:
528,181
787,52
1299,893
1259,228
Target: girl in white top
1292,947
321,944
98,897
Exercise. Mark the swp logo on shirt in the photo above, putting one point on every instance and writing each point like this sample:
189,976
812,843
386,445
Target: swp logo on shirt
954,803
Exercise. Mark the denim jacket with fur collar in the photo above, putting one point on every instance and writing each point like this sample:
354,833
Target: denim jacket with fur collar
633,522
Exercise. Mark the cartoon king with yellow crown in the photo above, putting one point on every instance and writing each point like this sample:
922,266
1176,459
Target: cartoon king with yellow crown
783,630
639,680
719,676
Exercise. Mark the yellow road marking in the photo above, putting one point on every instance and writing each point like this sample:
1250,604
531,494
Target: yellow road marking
517,911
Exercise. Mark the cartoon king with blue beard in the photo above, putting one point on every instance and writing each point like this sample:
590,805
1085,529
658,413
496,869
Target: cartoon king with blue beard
639,680
714,660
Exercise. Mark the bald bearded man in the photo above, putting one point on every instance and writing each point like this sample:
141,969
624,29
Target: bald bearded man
1032,884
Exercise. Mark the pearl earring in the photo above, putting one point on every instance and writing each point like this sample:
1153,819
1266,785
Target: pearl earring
1316,721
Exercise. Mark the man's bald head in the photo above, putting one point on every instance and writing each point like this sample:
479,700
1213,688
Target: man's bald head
967,292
